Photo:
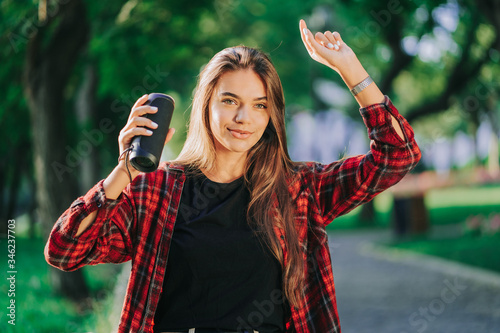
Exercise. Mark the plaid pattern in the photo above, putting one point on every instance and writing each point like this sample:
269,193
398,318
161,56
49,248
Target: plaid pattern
138,225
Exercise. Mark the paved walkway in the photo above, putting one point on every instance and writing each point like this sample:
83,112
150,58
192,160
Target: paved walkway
392,291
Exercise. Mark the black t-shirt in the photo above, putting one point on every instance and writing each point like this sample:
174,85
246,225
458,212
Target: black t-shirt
219,274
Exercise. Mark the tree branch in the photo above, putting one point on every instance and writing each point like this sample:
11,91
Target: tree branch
460,76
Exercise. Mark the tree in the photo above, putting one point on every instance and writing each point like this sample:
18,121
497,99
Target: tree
143,46
51,54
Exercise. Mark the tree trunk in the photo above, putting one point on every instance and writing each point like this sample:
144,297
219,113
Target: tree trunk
32,206
410,216
52,52
17,172
367,214
85,109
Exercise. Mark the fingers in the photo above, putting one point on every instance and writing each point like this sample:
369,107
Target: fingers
320,38
304,32
334,38
316,44
139,109
133,129
137,123
140,126
140,101
142,111
142,122
137,117
330,40
312,45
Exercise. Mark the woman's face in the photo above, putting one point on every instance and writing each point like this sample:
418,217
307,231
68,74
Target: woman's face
238,111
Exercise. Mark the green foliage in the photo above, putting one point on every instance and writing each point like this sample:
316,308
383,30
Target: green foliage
131,40
15,26
38,309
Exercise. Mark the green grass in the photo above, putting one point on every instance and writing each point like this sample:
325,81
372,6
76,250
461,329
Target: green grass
38,309
445,206
476,251
452,205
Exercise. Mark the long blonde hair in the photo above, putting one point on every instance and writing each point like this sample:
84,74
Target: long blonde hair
268,164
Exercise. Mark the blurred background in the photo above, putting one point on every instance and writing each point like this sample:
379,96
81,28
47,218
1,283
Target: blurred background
71,70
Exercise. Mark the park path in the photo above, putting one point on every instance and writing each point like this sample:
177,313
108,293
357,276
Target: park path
392,291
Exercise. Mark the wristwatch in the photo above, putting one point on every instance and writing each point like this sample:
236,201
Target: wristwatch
362,85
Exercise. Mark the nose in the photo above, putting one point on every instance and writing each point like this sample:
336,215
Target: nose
242,114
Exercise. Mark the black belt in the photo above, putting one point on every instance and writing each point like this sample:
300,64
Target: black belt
209,330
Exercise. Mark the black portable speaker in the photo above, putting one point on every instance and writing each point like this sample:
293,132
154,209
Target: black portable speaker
146,152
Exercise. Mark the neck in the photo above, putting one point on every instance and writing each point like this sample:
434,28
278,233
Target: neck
228,166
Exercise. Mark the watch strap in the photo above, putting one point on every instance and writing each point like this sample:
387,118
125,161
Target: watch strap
361,86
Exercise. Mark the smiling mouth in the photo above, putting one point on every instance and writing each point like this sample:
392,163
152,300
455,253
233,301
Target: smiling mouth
239,134
240,131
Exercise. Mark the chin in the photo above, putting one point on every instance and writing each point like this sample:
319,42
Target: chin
238,148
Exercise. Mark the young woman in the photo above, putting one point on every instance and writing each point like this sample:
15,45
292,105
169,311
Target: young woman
230,236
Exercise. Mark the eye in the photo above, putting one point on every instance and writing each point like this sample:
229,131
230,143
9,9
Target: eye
261,106
229,101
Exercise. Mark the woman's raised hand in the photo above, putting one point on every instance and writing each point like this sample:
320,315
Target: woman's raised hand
327,48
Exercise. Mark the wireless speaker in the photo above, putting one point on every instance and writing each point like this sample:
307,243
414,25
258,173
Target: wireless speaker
146,152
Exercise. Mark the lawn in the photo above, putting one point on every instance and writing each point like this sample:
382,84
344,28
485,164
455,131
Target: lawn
480,251
38,309
445,206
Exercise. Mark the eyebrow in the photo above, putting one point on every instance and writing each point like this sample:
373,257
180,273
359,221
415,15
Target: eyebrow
227,93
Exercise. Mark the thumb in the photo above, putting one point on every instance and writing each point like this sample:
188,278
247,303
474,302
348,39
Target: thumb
170,134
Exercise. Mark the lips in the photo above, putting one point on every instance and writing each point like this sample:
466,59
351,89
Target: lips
239,134
240,131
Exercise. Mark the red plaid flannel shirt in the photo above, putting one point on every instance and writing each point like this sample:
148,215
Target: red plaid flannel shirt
138,225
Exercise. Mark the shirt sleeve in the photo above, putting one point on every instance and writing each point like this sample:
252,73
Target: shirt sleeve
343,185
106,240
